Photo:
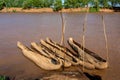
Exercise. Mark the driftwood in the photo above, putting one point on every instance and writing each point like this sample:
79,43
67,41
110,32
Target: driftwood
89,56
40,60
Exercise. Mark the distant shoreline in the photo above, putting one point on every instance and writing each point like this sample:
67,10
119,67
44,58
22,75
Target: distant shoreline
41,10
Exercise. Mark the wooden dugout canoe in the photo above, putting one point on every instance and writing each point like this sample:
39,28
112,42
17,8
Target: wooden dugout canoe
40,60
63,51
58,54
89,56
44,51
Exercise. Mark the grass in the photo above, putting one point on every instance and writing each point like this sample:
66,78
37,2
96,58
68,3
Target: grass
93,9
14,11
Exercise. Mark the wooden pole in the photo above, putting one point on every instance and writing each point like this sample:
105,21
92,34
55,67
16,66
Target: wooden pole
106,40
84,29
63,34
63,29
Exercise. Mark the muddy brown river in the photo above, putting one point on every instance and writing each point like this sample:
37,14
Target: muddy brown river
31,27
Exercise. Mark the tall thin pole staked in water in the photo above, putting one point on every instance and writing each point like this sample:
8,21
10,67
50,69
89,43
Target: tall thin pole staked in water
83,37
63,29
106,40
63,34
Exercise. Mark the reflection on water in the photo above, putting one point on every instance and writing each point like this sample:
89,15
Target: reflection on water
31,27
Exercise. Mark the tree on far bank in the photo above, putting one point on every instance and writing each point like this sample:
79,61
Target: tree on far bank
114,3
76,3
37,3
71,4
104,3
48,3
94,5
57,5
2,4
97,5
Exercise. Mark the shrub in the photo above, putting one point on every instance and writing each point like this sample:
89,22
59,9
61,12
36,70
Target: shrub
36,3
26,4
4,78
1,4
18,3
14,11
9,3
57,5
92,9
48,3
32,4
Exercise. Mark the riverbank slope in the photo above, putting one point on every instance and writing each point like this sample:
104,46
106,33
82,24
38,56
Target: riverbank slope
41,10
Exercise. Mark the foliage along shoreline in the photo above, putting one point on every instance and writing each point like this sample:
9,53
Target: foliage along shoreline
59,5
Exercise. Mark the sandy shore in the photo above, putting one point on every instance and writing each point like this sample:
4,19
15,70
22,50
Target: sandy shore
26,10
40,10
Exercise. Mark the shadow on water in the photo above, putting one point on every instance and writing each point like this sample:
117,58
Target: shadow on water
93,77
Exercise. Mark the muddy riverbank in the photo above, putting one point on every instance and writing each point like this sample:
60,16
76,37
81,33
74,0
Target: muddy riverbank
47,10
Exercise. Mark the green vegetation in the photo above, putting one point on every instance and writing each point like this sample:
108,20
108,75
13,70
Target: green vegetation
36,4
58,5
14,11
92,9
4,78
1,4
114,2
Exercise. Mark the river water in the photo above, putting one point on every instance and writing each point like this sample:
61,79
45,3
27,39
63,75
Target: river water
29,27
